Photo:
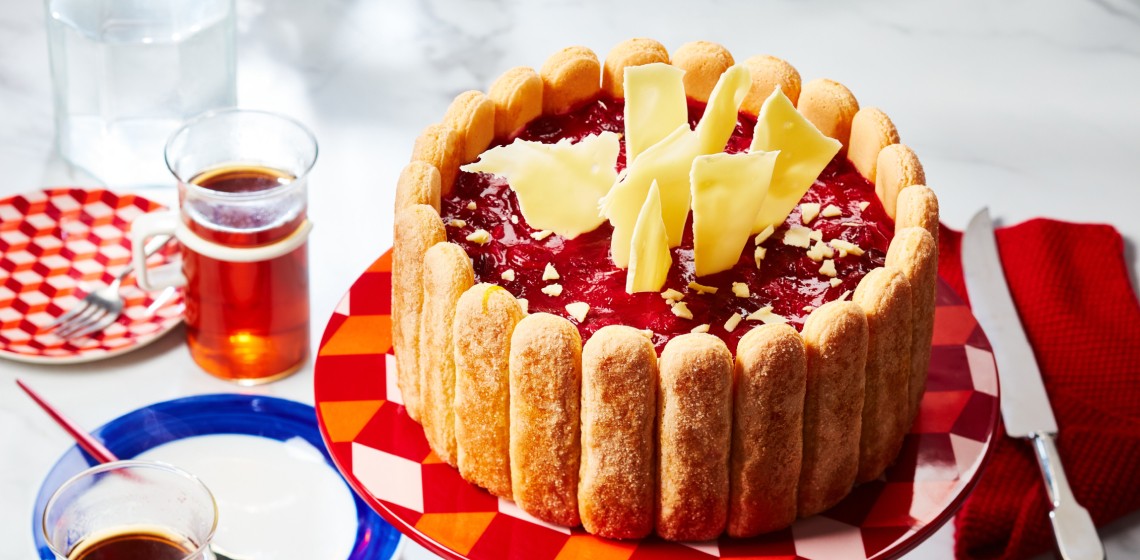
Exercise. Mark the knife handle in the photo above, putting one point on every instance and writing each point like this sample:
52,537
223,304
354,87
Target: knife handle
1072,526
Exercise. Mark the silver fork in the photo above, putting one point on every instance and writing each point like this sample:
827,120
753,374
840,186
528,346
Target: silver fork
100,308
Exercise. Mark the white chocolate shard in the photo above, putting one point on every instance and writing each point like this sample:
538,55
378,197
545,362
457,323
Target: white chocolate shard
649,259
728,190
804,152
558,185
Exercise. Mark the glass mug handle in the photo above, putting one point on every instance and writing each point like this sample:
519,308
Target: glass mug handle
170,223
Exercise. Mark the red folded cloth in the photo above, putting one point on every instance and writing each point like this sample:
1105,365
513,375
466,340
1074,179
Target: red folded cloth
1073,292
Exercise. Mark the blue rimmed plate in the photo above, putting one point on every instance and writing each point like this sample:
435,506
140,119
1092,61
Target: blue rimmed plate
263,457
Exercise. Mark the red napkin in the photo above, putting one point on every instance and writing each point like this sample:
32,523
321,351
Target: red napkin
1072,290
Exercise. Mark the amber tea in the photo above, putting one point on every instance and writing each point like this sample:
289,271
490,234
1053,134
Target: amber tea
246,321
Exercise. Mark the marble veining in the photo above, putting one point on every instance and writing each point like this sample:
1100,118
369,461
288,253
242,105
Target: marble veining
1027,106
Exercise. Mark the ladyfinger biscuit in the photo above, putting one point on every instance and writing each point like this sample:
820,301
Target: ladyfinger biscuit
419,183
835,343
885,296
472,115
438,145
896,168
545,382
619,389
485,317
768,73
447,274
517,96
703,63
914,252
871,131
694,424
418,227
767,430
830,106
631,52
570,77
918,207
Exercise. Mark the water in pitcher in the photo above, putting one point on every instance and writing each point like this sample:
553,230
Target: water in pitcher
126,73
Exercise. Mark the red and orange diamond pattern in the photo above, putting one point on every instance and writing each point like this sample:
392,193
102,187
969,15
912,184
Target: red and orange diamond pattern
55,246
384,455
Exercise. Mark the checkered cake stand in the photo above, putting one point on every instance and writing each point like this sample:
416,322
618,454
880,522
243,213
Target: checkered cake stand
383,454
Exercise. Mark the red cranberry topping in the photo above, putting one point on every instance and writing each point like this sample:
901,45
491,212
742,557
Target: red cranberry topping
788,280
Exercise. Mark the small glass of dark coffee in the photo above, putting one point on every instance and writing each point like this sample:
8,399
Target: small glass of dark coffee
131,510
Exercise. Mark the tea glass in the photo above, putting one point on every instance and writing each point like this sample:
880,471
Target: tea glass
127,497
242,188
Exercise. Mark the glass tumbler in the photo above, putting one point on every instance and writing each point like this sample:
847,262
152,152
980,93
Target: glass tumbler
127,73
242,189
152,509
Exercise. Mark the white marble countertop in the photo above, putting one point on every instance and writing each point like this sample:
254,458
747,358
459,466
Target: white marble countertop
1028,107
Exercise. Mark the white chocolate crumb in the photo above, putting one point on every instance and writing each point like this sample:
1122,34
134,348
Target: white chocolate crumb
831,211
863,205
672,295
798,236
541,234
828,268
820,251
845,295
524,304
553,290
514,219
835,282
702,289
740,289
764,235
846,247
549,273
758,256
815,235
700,328
681,309
648,333
457,223
480,236
508,275
809,308
808,212
471,205
732,321
578,310
765,315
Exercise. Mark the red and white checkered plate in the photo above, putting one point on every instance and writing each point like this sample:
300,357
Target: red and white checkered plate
385,457
55,246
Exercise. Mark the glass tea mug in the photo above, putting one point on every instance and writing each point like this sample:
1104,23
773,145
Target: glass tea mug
242,189
131,509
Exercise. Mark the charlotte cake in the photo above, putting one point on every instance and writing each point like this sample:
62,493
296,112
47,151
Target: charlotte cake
700,441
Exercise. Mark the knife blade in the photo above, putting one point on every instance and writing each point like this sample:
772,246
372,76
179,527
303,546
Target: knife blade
1025,405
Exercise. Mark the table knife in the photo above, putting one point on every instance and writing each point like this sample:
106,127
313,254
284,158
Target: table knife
1025,406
